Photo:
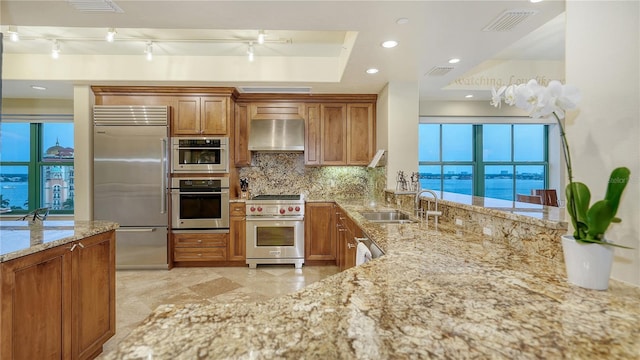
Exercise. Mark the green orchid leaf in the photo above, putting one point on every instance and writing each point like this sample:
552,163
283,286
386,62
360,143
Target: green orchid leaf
578,195
616,220
603,243
598,218
617,182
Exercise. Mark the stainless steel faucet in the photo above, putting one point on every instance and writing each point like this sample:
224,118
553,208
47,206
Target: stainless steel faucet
419,211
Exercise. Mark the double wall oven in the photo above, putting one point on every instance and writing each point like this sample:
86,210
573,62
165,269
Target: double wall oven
275,230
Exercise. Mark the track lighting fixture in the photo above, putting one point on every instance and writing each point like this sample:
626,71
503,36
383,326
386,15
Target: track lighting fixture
261,37
13,33
250,51
149,51
55,50
111,34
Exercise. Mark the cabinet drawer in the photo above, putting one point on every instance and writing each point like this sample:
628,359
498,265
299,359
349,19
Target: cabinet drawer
200,240
237,209
200,254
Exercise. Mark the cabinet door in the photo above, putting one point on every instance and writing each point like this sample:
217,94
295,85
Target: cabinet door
35,306
276,110
333,130
320,242
360,134
93,293
241,135
312,139
186,118
213,116
351,244
200,246
237,238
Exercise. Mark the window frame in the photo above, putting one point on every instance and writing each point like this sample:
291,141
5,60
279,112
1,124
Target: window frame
36,163
478,163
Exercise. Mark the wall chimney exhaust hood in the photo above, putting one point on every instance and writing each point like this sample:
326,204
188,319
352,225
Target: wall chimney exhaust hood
277,135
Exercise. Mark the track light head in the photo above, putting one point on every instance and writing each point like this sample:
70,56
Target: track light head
149,51
261,37
55,50
111,34
250,51
13,33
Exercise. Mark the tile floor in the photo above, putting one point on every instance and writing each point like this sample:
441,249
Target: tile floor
139,292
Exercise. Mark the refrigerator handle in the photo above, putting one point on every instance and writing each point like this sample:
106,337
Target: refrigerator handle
163,182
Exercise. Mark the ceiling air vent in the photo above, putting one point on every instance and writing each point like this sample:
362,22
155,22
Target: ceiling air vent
95,6
275,89
509,19
439,70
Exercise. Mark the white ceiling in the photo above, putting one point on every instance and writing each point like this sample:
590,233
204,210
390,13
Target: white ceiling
436,31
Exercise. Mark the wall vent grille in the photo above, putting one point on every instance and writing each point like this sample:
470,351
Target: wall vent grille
95,6
509,19
439,70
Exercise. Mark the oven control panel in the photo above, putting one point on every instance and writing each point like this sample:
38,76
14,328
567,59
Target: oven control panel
275,210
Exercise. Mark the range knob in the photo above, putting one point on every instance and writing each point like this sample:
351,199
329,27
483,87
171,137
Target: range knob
259,209
290,208
297,208
252,209
282,211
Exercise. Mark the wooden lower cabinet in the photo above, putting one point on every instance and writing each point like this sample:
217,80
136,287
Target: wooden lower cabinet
320,241
200,246
59,303
237,232
346,232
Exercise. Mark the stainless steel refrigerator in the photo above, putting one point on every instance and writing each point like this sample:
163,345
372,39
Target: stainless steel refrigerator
130,181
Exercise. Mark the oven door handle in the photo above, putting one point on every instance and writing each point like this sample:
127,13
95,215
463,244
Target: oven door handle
176,191
274,218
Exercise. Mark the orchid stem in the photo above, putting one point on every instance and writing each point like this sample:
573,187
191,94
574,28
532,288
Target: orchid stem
567,161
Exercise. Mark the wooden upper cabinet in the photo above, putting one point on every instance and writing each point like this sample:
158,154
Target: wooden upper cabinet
333,127
312,134
242,155
361,137
276,110
214,116
207,115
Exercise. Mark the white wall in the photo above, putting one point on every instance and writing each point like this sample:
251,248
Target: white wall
401,120
83,145
602,60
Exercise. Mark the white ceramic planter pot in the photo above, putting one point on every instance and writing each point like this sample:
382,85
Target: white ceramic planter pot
588,265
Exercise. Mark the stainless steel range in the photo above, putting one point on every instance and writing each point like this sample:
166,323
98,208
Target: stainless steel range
275,230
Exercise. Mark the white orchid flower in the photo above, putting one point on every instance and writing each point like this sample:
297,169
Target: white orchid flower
496,96
510,95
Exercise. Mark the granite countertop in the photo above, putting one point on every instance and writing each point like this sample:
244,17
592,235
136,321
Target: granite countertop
20,238
441,293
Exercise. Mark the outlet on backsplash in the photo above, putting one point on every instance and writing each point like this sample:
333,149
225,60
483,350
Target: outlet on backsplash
459,222
487,230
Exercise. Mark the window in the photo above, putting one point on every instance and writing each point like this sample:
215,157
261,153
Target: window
36,166
489,160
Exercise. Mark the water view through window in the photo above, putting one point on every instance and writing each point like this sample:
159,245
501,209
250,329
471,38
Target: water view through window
490,160
31,180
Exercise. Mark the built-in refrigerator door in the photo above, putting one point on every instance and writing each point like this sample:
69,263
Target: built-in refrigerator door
130,175
141,248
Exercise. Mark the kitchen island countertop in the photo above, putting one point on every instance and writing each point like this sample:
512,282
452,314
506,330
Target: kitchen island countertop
20,238
442,293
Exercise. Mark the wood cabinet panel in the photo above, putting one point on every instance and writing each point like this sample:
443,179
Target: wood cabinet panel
334,130
59,303
199,240
360,134
93,290
214,117
186,118
237,238
276,110
320,240
312,143
242,155
200,254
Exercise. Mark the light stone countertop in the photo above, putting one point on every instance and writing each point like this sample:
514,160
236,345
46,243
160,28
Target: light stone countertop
20,238
435,294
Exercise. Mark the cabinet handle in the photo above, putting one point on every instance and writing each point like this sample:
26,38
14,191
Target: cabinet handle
341,229
73,247
199,241
200,255
350,245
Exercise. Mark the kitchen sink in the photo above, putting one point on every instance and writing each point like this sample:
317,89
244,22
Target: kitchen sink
387,216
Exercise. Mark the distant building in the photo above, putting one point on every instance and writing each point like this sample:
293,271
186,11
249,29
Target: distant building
58,179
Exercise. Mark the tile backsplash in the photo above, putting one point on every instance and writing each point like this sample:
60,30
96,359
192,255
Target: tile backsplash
285,173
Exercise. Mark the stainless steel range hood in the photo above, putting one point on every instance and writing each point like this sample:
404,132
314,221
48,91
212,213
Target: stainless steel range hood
285,135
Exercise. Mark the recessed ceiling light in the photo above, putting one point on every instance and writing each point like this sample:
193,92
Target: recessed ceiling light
36,87
454,61
468,96
372,71
389,44
402,21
